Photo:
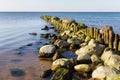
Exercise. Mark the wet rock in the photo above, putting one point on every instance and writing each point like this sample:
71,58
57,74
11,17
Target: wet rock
53,36
104,73
82,68
47,51
33,33
46,73
44,35
111,58
17,72
62,74
63,62
29,44
45,28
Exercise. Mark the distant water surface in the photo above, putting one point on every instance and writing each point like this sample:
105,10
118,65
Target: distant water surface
15,26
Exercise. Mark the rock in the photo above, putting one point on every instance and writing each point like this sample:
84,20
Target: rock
91,48
111,58
44,35
67,21
106,28
62,74
62,43
45,28
33,33
74,41
82,68
63,62
46,73
74,46
95,59
117,77
17,72
104,73
69,54
53,36
83,57
56,56
47,51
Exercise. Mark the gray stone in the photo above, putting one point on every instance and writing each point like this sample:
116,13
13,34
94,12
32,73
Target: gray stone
47,50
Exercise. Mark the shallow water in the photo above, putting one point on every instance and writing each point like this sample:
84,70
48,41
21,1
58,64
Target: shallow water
14,27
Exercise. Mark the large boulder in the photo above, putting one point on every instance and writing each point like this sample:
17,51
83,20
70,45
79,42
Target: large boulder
91,48
47,51
111,58
104,73
82,68
63,62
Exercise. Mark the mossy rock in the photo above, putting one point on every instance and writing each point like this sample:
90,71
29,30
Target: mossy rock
82,25
62,74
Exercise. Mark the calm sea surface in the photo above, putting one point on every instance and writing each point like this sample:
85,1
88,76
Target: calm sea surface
14,27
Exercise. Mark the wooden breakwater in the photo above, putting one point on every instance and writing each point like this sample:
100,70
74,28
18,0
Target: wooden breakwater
105,36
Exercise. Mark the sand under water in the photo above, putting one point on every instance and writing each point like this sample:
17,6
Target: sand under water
22,64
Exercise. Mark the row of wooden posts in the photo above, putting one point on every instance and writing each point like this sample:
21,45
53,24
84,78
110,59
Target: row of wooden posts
107,37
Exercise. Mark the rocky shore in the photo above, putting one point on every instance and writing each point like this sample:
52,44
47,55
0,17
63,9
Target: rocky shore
79,52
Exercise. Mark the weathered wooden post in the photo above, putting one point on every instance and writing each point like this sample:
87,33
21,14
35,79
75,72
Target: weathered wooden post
111,38
116,39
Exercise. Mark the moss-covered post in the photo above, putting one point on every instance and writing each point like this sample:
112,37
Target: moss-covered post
116,39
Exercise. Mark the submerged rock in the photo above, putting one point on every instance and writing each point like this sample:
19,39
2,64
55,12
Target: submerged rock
45,28
47,51
104,73
62,74
44,35
33,33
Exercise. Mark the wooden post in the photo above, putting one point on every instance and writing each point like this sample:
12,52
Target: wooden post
107,36
111,38
116,41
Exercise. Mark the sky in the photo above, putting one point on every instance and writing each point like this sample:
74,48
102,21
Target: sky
60,5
